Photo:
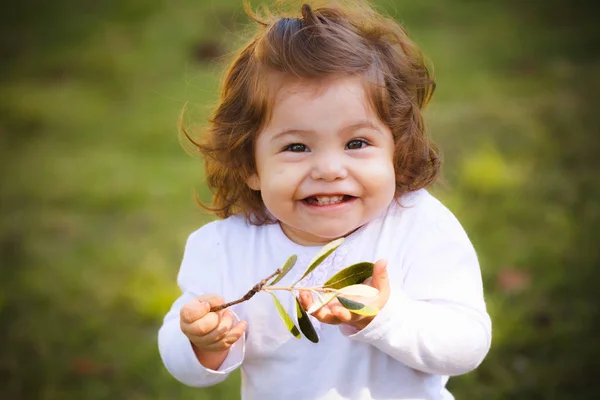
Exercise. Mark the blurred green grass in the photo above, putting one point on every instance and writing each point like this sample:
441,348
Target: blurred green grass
97,191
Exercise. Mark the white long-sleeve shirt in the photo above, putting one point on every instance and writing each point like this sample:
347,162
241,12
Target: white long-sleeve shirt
434,325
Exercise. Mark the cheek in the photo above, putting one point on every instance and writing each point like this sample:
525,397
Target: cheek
280,181
379,173
389,183
380,181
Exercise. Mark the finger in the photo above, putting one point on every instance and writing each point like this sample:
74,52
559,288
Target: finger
322,313
203,326
342,313
380,279
232,336
235,333
325,315
306,299
211,299
193,311
221,330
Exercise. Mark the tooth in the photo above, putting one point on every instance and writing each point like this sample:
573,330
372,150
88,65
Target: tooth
324,200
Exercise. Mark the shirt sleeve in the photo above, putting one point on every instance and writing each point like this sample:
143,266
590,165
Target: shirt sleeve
198,274
435,320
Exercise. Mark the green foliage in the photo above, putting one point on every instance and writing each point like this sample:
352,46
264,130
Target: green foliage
320,256
285,317
358,308
346,280
287,267
352,275
304,323
359,290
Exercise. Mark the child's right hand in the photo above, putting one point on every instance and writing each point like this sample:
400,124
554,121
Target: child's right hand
209,332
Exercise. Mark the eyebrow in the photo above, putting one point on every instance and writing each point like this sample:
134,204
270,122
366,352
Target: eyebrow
352,127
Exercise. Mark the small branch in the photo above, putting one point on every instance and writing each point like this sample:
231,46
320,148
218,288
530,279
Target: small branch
315,289
257,288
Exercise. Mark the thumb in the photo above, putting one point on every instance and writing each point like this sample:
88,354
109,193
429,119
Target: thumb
380,279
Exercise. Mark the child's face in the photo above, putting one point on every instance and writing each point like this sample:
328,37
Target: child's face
325,160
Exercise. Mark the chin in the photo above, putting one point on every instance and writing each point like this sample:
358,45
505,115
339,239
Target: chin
332,234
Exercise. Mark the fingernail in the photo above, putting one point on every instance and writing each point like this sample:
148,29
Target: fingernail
385,264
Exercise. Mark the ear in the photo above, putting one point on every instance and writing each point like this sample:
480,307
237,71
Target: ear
253,182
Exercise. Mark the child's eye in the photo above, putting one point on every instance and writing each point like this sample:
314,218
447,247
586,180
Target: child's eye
296,148
356,144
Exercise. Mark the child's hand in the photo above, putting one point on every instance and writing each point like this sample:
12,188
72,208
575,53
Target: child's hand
334,313
209,332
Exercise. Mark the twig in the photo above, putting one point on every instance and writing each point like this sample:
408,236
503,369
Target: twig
257,288
315,289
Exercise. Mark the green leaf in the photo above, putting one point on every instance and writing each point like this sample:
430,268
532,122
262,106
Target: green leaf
287,267
321,255
285,317
321,301
360,290
304,323
352,275
358,308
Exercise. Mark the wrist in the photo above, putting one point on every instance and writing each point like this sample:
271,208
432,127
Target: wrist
360,324
210,359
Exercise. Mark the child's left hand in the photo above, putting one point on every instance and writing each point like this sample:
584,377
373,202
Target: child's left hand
334,313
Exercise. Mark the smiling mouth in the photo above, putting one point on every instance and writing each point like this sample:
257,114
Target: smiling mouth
327,200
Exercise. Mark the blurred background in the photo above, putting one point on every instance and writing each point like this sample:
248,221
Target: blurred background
97,193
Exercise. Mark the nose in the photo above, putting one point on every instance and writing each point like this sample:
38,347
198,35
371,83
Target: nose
328,167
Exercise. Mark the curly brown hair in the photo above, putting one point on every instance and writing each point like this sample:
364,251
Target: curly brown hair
335,39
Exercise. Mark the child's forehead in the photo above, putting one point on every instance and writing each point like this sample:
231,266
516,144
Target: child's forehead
309,105
290,87
294,102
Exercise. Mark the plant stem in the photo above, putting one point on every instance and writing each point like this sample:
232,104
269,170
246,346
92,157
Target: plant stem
311,289
257,288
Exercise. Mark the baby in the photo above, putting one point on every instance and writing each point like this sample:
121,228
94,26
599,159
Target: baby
319,135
